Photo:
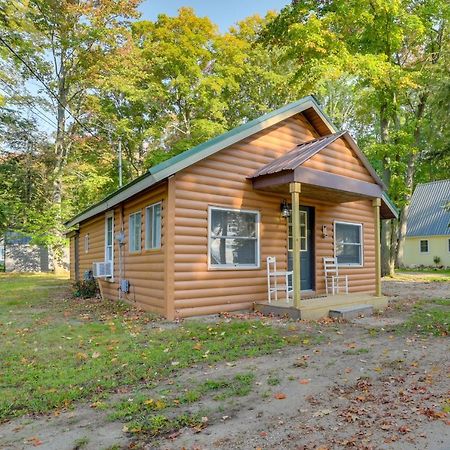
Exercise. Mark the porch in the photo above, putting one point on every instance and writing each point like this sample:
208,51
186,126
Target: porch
316,307
333,170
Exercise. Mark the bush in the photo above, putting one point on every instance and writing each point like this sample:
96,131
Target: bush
86,289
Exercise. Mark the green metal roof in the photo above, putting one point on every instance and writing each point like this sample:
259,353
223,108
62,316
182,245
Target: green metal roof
234,132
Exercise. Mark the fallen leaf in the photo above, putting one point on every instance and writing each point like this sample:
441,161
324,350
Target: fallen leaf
304,381
280,396
95,355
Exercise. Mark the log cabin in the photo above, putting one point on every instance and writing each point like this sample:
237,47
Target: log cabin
192,235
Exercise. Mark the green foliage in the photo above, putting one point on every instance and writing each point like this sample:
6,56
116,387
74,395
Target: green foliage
431,318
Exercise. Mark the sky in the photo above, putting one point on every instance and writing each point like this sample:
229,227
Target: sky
222,13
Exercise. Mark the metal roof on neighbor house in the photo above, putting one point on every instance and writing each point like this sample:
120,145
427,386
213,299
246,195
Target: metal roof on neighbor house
426,215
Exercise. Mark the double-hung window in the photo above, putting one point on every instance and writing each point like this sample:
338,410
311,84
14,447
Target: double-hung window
109,243
233,238
153,227
135,232
348,245
424,246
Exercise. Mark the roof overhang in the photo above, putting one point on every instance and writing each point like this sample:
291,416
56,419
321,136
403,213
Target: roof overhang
179,162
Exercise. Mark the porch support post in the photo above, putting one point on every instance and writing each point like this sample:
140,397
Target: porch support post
295,189
376,203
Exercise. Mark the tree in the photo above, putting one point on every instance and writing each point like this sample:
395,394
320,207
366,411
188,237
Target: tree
395,53
61,45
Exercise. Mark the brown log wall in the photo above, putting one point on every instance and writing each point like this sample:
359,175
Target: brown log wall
144,269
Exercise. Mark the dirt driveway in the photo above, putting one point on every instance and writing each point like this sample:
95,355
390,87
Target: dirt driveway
359,385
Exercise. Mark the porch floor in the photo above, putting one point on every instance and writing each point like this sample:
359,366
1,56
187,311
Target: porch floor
318,307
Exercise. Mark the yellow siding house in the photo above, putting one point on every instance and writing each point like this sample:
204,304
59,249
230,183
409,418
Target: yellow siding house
428,231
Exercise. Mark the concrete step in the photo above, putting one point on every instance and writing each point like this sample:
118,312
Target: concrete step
351,312
267,309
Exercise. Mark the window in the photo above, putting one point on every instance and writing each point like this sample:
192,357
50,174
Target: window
109,243
135,232
86,243
348,243
424,246
153,226
233,238
303,232
448,246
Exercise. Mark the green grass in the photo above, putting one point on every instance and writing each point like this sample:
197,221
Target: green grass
430,317
356,351
162,415
56,350
422,275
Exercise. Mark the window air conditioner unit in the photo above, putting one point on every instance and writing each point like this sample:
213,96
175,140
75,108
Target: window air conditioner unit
102,269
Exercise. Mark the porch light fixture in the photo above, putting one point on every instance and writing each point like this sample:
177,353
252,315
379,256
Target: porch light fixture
324,231
285,209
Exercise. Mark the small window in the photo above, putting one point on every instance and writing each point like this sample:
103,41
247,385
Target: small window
153,227
233,238
135,232
86,243
424,246
448,246
348,243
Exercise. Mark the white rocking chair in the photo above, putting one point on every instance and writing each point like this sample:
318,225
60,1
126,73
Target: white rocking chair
332,277
272,280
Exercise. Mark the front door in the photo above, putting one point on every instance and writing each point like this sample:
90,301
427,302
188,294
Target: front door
306,247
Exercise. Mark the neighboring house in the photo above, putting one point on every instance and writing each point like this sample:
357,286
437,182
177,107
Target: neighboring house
18,254
428,231
191,236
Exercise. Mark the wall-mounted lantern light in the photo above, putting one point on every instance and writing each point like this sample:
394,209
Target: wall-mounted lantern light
285,209
324,231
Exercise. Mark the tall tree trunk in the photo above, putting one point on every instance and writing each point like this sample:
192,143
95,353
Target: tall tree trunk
387,265
403,222
61,149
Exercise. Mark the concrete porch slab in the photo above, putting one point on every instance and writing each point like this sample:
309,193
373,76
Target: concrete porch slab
316,308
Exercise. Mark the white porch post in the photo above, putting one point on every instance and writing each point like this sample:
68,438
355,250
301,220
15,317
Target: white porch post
295,189
376,203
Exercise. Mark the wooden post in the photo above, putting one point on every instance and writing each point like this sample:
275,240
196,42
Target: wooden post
295,189
376,203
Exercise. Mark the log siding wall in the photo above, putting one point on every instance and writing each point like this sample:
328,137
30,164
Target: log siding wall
144,269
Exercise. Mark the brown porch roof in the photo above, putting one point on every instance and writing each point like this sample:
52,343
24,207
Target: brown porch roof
302,152
288,168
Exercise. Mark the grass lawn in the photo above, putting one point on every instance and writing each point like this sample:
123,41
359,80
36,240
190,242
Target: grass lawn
421,275
57,350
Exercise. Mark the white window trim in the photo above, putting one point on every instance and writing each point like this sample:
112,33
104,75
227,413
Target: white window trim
86,243
428,247
129,233
258,241
361,227
107,215
147,224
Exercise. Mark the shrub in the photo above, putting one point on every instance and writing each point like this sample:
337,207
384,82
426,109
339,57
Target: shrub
86,289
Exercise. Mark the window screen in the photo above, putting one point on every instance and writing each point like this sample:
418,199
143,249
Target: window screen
135,232
153,226
348,243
